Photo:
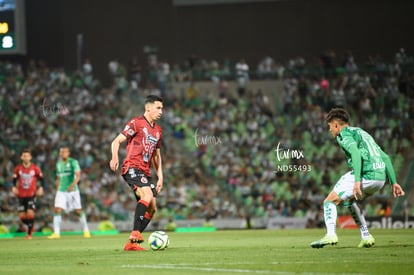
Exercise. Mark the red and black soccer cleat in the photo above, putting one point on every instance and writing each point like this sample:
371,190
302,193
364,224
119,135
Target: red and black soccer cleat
132,247
136,237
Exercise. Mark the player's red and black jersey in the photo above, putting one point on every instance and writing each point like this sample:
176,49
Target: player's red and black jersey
27,179
142,140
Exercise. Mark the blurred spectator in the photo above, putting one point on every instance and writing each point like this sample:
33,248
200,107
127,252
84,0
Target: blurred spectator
266,68
242,76
134,74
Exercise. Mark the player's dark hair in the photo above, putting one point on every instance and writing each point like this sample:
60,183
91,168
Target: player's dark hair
64,146
339,114
27,150
152,99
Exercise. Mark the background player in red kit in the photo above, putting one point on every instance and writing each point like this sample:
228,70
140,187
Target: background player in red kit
26,188
143,137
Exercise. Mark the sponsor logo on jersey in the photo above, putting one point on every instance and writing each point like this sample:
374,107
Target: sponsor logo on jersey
149,138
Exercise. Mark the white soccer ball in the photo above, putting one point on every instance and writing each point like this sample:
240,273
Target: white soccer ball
158,240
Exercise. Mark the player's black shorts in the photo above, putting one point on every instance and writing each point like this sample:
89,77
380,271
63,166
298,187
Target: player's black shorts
136,178
26,204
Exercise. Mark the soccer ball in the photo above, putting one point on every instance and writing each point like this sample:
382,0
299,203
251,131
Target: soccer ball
158,240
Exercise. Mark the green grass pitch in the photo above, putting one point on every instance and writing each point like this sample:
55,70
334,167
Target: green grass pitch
221,252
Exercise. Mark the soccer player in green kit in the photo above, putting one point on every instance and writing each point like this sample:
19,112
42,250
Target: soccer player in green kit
369,168
68,174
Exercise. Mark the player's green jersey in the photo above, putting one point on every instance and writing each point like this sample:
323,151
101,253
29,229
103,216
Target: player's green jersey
66,173
364,156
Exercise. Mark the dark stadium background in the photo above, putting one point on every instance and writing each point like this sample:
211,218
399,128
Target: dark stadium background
280,29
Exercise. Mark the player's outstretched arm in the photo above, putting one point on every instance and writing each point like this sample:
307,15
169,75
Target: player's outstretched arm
389,168
40,184
114,162
39,191
15,190
157,163
397,190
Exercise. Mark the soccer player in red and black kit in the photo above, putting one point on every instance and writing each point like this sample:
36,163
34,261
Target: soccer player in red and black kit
28,183
143,137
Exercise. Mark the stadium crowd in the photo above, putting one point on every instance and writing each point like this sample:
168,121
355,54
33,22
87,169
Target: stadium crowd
220,152
379,96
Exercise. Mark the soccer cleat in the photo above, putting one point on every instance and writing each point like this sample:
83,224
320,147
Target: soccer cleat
86,234
54,236
332,240
136,237
370,241
132,247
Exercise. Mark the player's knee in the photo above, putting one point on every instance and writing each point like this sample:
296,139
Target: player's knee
138,193
58,210
328,201
333,198
78,212
30,213
147,195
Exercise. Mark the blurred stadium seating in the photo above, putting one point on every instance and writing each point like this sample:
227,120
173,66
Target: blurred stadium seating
220,136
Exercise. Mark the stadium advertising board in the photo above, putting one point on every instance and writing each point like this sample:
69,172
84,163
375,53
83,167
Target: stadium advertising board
398,222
